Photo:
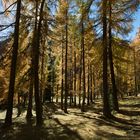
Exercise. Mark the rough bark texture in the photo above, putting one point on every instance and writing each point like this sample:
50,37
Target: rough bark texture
75,78
106,106
8,119
62,83
80,78
29,109
115,98
38,104
66,58
83,62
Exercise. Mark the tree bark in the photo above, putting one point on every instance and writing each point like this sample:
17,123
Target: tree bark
62,82
91,84
83,61
36,46
88,90
115,98
66,58
106,106
135,73
29,109
8,118
80,79
75,78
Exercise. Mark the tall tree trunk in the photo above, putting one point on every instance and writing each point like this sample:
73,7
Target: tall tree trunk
94,84
66,58
71,77
36,68
62,82
8,118
80,79
106,106
29,109
83,61
19,107
91,85
115,98
88,90
57,93
74,78
42,72
135,73
71,84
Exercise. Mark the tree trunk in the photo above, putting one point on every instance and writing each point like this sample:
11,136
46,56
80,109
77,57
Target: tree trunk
135,73
106,106
66,57
62,83
19,107
42,72
94,84
38,104
57,93
29,109
71,77
74,78
88,90
8,118
80,79
91,85
83,61
115,98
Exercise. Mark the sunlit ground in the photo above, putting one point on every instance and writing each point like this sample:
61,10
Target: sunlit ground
89,125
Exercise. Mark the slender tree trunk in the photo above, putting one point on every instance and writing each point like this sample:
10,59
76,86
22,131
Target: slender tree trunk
80,79
88,90
8,118
74,78
71,84
36,69
94,84
106,106
57,93
71,77
83,61
42,73
115,98
135,73
19,107
91,85
62,83
66,58
29,109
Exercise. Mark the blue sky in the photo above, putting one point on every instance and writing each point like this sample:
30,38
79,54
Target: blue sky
136,25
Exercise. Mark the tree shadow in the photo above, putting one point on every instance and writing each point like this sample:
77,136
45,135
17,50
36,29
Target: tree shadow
131,105
69,131
129,113
102,134
29,131
122,121
113,124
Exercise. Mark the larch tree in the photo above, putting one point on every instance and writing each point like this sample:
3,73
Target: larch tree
36,67
106,106
66,56
8,118
114,88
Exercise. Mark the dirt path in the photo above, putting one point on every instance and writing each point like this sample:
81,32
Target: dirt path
76,125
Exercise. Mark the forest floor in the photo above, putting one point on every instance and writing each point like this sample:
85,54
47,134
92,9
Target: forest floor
77,125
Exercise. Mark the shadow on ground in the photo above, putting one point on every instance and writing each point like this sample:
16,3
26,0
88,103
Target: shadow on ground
56,131
76,125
